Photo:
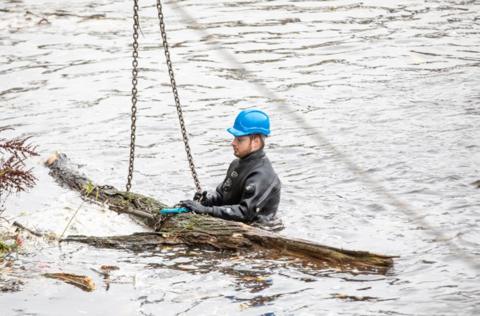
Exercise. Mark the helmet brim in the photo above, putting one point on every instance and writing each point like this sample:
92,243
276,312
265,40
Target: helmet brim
236,132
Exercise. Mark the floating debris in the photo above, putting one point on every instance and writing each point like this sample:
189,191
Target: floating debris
80,281
359,298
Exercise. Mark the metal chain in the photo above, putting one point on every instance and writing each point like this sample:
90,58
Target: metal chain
176,97
136,25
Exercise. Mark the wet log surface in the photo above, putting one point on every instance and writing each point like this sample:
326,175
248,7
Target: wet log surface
202,230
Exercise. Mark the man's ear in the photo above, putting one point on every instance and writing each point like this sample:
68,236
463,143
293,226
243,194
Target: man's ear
257,141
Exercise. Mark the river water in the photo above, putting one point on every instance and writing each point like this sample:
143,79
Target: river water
392,85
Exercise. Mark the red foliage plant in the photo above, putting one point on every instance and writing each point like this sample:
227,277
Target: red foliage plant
14,177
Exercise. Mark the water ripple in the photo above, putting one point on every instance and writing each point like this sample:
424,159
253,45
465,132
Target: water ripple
393,85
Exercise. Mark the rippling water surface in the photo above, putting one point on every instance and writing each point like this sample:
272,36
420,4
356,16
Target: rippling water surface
393,85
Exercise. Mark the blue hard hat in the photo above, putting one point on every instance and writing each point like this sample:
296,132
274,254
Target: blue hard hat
251,121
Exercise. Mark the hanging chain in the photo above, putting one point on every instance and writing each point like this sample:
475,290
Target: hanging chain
136,25
177,99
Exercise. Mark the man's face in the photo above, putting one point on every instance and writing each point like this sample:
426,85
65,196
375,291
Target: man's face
242,146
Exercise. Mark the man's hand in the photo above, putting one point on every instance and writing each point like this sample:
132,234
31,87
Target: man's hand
196,207
205,198
198,196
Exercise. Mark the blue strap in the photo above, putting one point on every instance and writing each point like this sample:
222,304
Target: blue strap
176,210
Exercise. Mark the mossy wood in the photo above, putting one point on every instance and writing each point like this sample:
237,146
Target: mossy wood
204,231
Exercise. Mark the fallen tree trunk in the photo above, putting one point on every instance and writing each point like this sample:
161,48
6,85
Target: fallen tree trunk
201,230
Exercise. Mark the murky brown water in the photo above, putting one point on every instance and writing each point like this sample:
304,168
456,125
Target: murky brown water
392,85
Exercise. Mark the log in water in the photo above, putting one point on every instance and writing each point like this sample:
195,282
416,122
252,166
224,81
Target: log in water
202,230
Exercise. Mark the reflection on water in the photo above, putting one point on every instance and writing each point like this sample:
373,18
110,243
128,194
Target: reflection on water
392,85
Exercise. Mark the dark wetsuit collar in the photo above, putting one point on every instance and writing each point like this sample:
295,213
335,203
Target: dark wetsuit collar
253,156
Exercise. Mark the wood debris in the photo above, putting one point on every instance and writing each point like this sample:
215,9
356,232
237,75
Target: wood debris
84,282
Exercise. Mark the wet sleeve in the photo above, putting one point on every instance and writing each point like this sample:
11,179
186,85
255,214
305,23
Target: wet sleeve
256,191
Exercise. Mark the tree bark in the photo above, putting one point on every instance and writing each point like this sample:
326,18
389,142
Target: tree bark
202,230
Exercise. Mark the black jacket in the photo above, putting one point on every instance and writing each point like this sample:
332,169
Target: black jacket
250,192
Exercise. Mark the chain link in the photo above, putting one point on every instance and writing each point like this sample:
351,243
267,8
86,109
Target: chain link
177,98
136,26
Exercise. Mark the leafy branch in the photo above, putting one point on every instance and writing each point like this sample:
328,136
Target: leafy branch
14,175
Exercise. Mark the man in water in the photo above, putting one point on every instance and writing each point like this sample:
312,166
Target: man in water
250,192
